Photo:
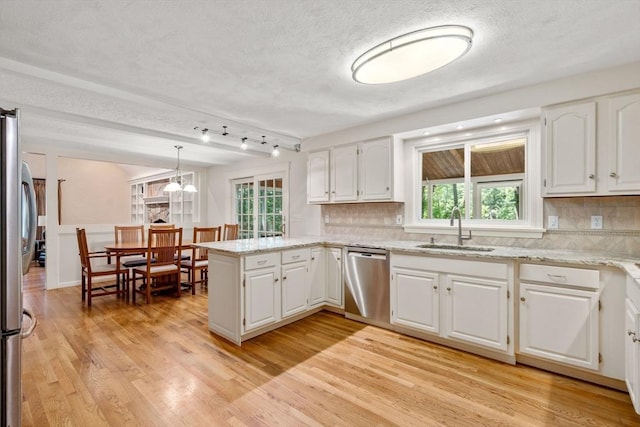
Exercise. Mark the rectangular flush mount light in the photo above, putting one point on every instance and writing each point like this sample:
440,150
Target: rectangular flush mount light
412,54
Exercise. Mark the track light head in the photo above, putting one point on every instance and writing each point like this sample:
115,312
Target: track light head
224,131
244,145
205,135
275,152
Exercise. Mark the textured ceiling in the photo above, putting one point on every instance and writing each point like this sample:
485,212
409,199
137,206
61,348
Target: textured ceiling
150,71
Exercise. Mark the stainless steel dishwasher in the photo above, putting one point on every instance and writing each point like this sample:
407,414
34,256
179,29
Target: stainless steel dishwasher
367,285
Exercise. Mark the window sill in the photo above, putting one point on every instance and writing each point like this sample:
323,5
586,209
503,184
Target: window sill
478,230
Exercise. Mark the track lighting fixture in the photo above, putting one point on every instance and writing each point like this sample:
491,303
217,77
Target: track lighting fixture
244,145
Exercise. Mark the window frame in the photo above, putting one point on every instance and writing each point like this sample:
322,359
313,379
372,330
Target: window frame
532,203
255,214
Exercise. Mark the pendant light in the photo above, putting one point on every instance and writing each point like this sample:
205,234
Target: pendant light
176,184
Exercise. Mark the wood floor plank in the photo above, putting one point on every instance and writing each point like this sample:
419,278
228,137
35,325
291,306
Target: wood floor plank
120,364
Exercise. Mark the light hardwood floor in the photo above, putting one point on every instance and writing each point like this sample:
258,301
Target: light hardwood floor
157,365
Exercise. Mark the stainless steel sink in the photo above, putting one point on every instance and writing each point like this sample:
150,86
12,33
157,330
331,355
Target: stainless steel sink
456,247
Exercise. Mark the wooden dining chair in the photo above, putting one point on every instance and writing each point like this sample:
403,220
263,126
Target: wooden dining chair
199,261
230,232
161,226
91,271
131,234
162,269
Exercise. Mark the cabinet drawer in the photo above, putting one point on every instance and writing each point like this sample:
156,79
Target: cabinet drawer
251,262
295,255
560,275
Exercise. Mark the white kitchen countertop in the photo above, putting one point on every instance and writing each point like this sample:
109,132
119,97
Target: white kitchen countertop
269,244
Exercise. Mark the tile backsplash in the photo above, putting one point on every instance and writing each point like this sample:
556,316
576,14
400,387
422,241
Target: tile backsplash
620,231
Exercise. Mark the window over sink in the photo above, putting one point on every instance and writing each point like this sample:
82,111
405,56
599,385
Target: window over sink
491,174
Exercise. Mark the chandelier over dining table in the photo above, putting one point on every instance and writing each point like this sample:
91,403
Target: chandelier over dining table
176,183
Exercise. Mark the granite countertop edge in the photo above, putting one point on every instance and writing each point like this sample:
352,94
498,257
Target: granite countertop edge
561,256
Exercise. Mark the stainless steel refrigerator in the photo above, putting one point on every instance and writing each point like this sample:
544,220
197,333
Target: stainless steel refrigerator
17,236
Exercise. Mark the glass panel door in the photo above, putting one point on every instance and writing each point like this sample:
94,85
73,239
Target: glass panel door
260,206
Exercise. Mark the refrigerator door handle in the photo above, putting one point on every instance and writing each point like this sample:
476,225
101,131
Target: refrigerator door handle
32,326
32,218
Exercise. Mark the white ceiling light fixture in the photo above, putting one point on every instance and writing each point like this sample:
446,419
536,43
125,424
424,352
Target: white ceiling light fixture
205,135
244,144
412,54
275,152
176,183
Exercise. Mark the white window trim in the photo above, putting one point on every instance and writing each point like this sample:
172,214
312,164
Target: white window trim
531,227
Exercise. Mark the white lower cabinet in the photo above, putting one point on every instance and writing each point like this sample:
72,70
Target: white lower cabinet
560,324
317,277
632,352
334,277
632,341
261,297
252,294
294,288
415,298
477,311
466,301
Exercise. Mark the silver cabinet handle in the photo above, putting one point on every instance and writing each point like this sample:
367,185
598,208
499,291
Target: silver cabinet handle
613,174
313,258
435,287
284,278
295,257
523,299
449,289
262,262
34,322
276,279
557,277
591,176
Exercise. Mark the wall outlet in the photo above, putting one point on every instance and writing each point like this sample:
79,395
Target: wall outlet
399,219
552,222
326,219
596,222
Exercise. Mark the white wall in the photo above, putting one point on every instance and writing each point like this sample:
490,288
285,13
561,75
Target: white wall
549,93
37,164
93,192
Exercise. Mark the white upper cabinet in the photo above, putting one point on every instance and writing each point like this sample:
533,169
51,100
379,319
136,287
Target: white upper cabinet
624,143
592,148
366,171
570,149
375,169
344,173
318,177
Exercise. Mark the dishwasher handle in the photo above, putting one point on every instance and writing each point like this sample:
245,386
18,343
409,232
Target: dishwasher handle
367,255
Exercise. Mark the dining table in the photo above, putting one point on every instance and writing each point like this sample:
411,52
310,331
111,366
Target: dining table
123,249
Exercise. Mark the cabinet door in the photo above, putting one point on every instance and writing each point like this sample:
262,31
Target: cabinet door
570,149
262,293
624,148
632,352
477,311
317,277
318,177
414,299
560,324
294,288
334,276
375,170
344,173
